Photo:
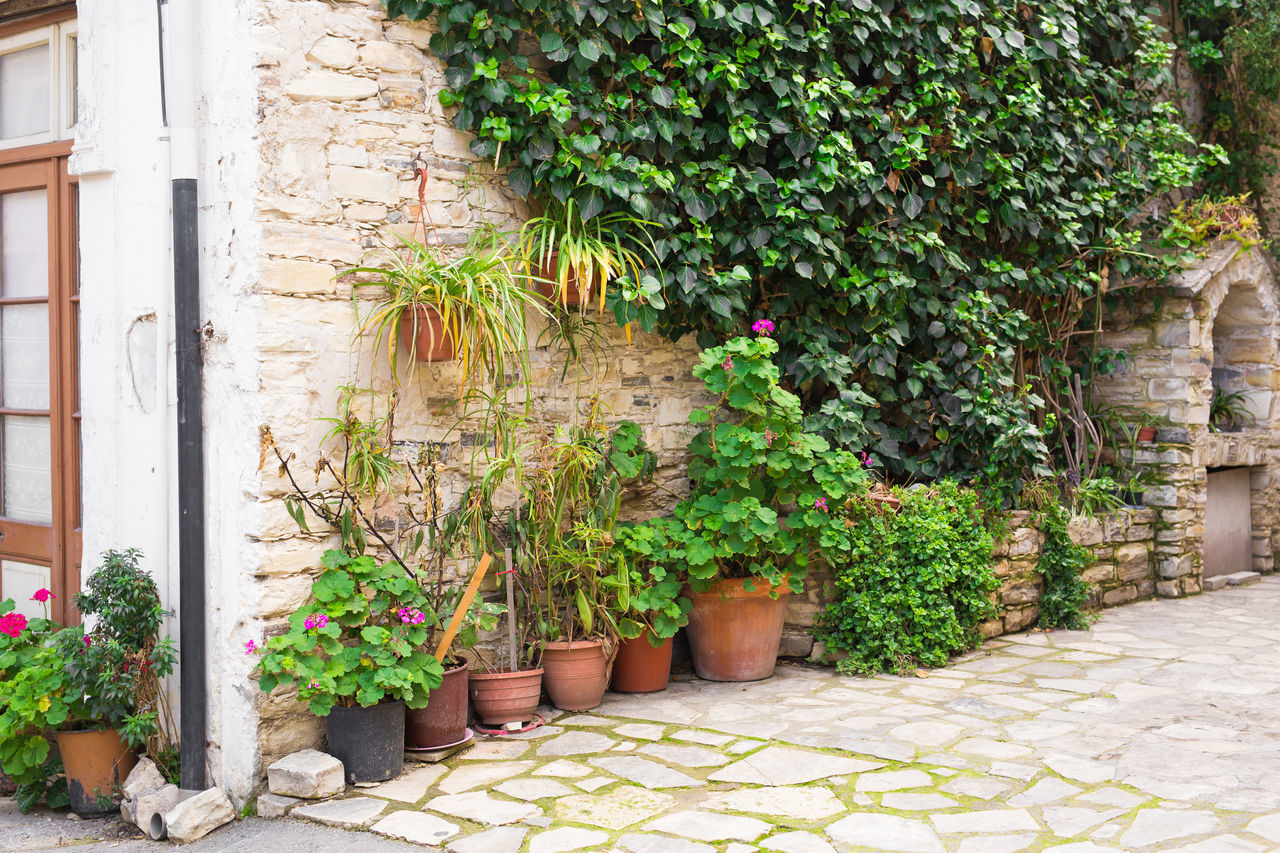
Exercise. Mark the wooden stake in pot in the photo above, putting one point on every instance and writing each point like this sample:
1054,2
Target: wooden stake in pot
511,609
467,597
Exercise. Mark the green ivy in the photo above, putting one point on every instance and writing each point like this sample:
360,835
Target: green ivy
1062,604
910,587
923,196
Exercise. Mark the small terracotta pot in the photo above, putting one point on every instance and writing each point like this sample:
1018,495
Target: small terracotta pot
549,287
641,667
96,765
734,633
430,340
505,697
444,721
575,674
1146,434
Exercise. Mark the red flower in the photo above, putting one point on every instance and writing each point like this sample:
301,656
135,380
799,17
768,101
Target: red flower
42,595
13,624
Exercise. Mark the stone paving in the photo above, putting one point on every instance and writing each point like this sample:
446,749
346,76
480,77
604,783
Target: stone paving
1156,730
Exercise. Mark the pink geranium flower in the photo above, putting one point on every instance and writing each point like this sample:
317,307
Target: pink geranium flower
42,595
13,624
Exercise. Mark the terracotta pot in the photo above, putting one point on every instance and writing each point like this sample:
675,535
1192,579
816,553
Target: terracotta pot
96,765
505,697
575,674
368,741
549,287
430,341
444,721
1146,434
734,633
641,667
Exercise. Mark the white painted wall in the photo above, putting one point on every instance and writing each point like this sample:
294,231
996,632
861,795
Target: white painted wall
127,384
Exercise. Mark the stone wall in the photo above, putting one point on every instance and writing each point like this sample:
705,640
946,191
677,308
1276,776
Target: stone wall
1123,570
1215,327
347,103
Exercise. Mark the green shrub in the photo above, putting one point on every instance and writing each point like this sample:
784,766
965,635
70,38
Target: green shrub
910,587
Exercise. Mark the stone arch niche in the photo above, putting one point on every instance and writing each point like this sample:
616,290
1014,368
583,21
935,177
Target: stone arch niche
1216,326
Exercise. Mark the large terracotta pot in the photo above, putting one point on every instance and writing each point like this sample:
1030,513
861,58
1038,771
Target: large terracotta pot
549,286
641,667
575,676
368,741
734,633
96,765
444,721
430,340
505,697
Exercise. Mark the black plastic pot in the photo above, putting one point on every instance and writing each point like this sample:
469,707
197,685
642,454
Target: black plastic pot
368,741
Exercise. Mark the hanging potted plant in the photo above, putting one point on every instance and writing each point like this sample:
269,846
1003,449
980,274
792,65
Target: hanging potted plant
97,693
470,307
654,555
355,653
763,490
574,254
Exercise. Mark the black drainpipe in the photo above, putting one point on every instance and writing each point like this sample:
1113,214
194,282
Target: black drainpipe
186,313
193,683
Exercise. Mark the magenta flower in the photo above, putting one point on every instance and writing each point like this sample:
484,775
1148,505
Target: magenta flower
88,641
762,327
12,624
769,436
315,620
820,503
411,616
727,364
42,595
314,685
250,647
866,460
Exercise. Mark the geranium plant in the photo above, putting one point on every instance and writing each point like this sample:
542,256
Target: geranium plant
71,679
763,487
653,552
358,641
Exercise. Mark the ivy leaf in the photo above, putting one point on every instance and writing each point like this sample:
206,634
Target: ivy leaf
912,205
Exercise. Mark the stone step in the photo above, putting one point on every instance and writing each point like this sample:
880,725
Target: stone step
1242,578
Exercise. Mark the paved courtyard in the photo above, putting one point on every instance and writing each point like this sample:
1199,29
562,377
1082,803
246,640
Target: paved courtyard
1157,730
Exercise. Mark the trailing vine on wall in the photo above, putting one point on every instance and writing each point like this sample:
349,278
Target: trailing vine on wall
1065,596
923,195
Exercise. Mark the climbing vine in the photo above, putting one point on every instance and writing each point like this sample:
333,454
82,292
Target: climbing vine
924,196
1062,604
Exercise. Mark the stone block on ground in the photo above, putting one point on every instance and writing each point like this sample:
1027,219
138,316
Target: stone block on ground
309,774
274,805
1242,578
142,779
1215,583
194,818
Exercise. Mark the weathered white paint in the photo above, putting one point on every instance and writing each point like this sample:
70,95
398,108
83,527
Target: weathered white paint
127,390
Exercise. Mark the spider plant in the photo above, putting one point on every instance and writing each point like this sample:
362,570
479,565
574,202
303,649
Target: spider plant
480,300
568,246
1229,409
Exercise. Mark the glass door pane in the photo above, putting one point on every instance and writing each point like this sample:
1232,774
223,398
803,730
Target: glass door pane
25,91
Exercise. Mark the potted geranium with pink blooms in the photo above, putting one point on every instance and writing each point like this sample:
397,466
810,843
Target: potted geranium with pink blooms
764,491
96,692
354,653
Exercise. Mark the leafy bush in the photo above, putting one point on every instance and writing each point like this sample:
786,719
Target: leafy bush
924,196
654,553
911,586
358,643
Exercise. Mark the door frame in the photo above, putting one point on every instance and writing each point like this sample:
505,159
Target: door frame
46,166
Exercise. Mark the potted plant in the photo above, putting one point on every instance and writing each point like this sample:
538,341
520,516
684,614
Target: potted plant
97,692
470,306
1229,410
572,499
654,555
577,253
355,653
762,490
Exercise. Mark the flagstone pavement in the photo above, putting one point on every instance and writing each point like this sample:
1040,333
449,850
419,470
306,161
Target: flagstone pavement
1159,729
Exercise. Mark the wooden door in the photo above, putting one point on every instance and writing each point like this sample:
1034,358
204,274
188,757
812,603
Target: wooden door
39,399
